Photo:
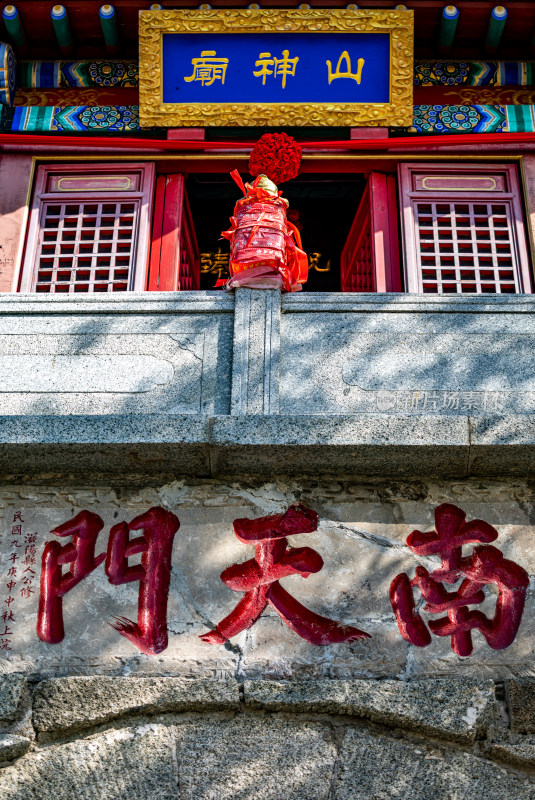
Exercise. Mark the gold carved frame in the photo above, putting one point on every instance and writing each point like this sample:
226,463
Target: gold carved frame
153,24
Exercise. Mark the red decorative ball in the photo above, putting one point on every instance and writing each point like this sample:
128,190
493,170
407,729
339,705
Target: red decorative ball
276,155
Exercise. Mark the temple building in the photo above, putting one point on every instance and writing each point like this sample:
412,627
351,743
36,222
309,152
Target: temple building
267,400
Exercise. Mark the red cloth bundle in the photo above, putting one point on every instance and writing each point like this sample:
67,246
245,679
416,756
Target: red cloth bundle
265,249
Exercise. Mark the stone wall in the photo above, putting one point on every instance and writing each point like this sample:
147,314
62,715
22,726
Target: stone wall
177,739
361,538
267,715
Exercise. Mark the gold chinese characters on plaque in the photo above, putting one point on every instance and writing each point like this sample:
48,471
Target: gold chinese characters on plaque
268,67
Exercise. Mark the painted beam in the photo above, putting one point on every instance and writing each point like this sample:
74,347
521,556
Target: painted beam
15,29
448,26
8,74
495,29
62,29
110,31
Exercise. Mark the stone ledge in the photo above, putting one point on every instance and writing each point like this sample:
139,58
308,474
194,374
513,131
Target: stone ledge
104,429
502,444
67,704
256,445
347,445
351,444
130,303
110,444
455,709
390,302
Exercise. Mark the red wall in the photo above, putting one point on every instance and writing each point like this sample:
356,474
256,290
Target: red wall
15,174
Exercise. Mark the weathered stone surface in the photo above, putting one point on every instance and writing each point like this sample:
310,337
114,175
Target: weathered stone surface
521,699
64,704
450,708
377,768
404,355
127,763
11,688
364,386
252,758
13,746
139,359
273,651
361,538
522,753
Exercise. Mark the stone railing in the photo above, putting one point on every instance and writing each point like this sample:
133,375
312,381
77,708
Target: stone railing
205,383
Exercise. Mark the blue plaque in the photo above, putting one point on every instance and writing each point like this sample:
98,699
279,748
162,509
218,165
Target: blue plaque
276,68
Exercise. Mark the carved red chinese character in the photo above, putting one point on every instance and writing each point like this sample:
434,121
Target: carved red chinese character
154,573
80,555
486,565
259,579
155,544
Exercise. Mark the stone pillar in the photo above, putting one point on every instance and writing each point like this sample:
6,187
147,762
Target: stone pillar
255,369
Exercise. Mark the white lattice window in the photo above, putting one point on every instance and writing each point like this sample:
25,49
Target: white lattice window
463,230
89,229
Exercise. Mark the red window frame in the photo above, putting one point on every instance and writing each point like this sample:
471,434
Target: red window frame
131,184
463,229
165,255
370,259
174,255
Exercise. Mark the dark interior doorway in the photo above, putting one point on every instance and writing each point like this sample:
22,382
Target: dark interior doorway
322,206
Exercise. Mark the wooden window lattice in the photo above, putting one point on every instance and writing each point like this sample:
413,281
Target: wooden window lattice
89,229
466,248
463,230
360,277
86,247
